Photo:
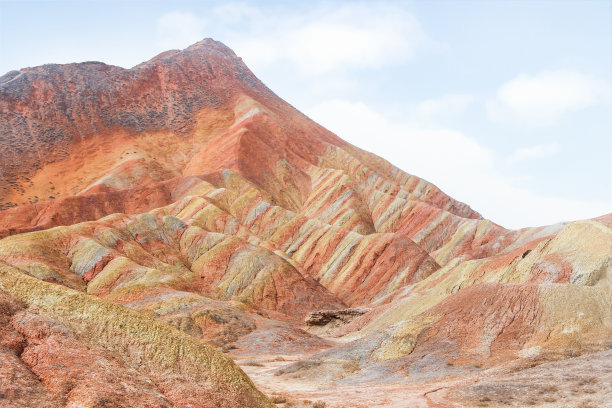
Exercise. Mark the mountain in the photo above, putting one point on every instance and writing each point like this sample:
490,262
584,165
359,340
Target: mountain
161,218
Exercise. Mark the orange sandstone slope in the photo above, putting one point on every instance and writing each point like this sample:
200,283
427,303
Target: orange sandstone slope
79,129
187,191
62,348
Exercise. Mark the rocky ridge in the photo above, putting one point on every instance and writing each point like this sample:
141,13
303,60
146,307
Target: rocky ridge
184,192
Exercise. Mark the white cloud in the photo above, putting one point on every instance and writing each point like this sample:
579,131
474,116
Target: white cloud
447,105
317,40
543,98
456,163
402,143
354,36
540,151
180,29
322,43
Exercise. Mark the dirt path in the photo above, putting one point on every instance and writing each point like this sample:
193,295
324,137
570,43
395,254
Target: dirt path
580,382
261,371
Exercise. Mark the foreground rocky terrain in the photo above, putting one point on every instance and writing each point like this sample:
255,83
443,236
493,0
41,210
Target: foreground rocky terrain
161,222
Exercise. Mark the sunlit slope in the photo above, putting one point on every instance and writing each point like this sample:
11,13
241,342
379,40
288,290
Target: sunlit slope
184,192
106,354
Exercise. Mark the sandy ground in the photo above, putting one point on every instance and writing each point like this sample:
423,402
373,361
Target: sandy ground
368,395
581,382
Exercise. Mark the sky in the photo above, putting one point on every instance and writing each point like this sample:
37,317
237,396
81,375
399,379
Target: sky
505,105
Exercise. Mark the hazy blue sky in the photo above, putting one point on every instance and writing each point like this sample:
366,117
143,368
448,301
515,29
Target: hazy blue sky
506,105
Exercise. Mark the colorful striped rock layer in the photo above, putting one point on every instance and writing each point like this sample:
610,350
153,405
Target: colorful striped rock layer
154,218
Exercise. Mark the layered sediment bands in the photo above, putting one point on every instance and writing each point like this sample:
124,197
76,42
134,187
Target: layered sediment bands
157,120
130,358
583,248
49,108
124,257
185,194
73,209
483,325
341,260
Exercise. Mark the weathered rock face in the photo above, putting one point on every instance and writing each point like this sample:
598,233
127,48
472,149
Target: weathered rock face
111,128
46,111
185,193
334,317
64,348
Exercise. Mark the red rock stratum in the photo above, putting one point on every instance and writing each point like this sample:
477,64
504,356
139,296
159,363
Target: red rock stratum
157,219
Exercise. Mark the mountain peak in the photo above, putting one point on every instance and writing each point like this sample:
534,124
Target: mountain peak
47,111
206,47
187,191
209,44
